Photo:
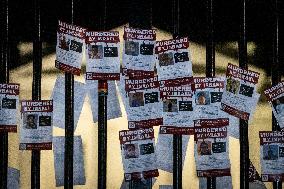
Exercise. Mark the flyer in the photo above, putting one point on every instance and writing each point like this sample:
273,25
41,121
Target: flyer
164,146
240,97
275,96
272,155
138,184
211,148
142,104
178,105
208,93
221,182
138,51
102,55
58,96
69,47
36,125
173,59
138,154
113,106
78,161
9,106
13,178
254,178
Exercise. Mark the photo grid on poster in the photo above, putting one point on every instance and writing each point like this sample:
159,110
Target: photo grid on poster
36,125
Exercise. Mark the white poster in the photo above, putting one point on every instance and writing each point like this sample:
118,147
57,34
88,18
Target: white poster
113,106
178,105
58,96
36,125
138,51
9,106
240,97
211,147
173,59
69,48
142,104
164,150
13,178
272,155
138,154
275,96
102,55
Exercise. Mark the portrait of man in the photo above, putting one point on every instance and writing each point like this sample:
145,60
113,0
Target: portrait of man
232,85
204,148
170,105
131,151
95,51
166,59
136,99
63,42
132,48
202,98
270,152
30,121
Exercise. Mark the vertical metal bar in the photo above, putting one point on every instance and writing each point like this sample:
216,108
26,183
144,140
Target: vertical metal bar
4,78
210,63
69,123
275,70
244,142
177,139
140,12
36,88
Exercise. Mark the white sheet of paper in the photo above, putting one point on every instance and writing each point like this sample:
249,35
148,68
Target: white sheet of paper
13,178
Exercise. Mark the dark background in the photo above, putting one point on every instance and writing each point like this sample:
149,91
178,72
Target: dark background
260,21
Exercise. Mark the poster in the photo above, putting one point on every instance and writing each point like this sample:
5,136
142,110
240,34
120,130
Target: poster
211,148
143,105
240,97
78,161
36,125
178,105
164,148
173,59
69,47
254,178
113,106
138,154
272,156
102,55
221,182
9,106
275,96
58,96
13,178
208,93
138,52
138,184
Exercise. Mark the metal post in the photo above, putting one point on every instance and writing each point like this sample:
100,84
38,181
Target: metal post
244,142
36,88
4,78
177,139
275,70
140,16
69,123
210,63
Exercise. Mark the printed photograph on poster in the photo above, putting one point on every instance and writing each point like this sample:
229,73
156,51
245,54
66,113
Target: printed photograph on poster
142,103
36,125
9,106
275,97
272,155
58,96
113,108
211,147
173,59
102,55
69,48
138,154
164,145
240,97
79,177
138,51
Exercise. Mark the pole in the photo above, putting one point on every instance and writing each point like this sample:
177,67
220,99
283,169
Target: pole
210,63
244,143
275,70
69,123
140,16
36,88
177,139
4,41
